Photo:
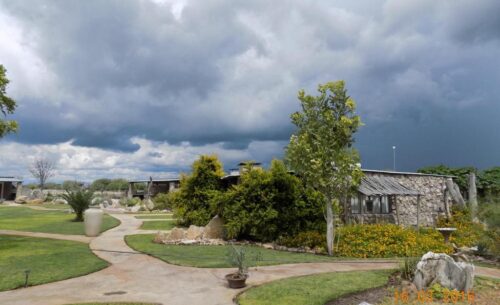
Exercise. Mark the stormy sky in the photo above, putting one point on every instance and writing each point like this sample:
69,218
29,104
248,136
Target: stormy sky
138,88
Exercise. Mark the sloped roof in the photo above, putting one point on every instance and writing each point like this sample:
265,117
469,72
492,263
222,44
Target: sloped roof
10,179
384,185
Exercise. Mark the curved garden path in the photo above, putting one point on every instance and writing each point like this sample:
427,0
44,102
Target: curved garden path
141,278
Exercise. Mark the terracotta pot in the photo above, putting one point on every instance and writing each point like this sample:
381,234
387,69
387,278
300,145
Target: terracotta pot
236,280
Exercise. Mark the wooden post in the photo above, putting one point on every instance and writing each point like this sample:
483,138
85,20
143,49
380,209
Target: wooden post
1,192
418,212
19,189
397,210
446,206
472,195
130,190
361,208
455,193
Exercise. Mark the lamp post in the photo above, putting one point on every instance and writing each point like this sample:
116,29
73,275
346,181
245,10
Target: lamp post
394,158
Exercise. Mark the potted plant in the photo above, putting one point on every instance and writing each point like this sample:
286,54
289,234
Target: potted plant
238,258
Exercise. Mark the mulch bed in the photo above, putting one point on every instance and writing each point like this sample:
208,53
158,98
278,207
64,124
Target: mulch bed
372,296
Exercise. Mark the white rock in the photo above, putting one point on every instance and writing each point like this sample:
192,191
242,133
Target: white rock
442,269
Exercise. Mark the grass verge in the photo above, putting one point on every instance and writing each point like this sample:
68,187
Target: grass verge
216,256
48,260
162,225
26,219
313,289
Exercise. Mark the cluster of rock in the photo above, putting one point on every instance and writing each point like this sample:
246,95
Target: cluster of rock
37,197
442,269
211,234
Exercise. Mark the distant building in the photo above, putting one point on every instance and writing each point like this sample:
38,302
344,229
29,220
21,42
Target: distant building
9,188
155,186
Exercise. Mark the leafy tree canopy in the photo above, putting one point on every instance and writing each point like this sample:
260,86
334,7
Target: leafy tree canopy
193,201
7,105
321,151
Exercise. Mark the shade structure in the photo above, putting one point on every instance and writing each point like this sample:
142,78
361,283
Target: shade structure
384,186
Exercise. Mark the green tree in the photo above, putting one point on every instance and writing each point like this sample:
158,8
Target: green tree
321,151
266,205
100,184
489,182
192,202
7,105
72,185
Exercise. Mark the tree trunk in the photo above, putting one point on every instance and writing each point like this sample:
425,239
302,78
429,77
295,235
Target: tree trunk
472,195
330,229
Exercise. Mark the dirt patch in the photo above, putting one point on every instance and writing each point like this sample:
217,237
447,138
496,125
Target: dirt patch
372,296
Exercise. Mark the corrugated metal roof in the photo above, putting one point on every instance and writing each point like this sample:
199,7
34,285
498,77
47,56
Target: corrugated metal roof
383,185
10,179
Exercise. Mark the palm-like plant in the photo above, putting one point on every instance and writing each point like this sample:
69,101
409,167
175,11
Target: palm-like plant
79,200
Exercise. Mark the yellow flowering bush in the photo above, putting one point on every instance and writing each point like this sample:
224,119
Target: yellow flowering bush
388,240
468,233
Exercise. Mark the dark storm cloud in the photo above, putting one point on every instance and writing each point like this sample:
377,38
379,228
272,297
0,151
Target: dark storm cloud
229,72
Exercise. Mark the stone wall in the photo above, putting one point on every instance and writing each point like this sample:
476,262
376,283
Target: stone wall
432,205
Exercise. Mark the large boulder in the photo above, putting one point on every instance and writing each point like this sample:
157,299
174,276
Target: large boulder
442,269
37,194
60,201
21,199
176,234
194,232
160,237
214,229
35,201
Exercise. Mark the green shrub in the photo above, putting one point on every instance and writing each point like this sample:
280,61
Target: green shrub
79,201
192,203
408,267
310,239
388,240
468,233
163,201
130,202
268,204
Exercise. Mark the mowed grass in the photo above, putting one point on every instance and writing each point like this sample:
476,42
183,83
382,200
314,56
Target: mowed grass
155,216
216,256
161,225
26,219
57,206
313,289
48,260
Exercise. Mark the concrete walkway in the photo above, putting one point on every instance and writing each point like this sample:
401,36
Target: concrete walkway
135,277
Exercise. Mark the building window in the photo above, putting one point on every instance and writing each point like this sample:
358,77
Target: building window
369,206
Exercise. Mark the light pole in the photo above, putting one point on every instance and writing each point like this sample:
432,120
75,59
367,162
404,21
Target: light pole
394,158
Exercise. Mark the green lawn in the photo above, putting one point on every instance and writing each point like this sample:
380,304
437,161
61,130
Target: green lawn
155,216
51,206
159,225
313,289
48,260
215,256
26,219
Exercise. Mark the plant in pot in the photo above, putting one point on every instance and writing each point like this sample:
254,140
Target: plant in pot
238,258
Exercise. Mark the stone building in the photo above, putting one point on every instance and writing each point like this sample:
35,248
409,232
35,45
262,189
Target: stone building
9,188
155,186
409,199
